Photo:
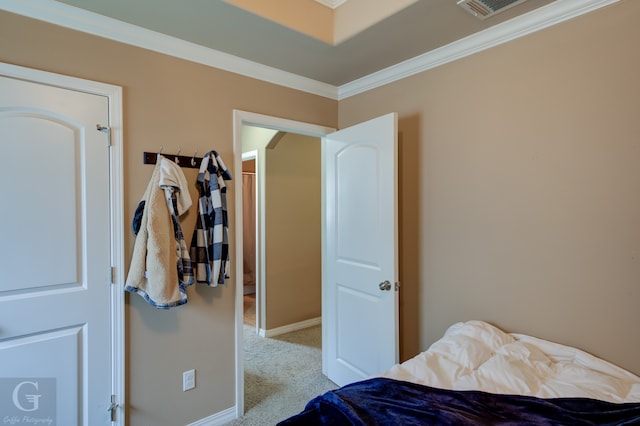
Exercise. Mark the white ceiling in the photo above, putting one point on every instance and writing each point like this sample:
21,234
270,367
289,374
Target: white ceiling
423,35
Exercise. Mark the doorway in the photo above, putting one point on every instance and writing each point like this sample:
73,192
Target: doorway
360,159
247,122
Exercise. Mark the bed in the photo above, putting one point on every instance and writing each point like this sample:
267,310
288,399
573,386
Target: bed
479,374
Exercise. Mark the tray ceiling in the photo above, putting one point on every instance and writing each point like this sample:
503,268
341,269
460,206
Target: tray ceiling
422,26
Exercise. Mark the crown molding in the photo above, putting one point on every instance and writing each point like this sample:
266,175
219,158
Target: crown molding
333,4
536,20
92,23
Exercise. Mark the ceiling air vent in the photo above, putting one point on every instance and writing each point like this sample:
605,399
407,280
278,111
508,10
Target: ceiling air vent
484,9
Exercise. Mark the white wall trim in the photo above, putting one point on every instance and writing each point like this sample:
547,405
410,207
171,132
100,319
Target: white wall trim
114,95
272,332
217,419
332,4
238,121
538,19
282,124
116,124
92,23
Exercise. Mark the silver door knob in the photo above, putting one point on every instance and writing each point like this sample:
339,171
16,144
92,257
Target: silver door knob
385,285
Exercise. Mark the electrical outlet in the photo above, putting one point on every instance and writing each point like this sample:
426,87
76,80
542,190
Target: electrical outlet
188,380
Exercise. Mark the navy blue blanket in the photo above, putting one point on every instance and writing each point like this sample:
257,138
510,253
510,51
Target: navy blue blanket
384,401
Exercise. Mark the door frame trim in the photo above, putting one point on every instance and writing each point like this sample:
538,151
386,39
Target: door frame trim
240,119
259,213
116,203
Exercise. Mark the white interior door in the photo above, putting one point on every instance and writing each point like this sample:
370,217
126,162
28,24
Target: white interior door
360,297
55,342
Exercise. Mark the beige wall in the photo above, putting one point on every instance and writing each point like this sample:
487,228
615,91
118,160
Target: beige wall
520,187
173,103
293,225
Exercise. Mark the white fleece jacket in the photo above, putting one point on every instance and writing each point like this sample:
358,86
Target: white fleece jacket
153,273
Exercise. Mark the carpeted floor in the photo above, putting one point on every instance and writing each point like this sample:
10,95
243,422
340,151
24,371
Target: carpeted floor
281,373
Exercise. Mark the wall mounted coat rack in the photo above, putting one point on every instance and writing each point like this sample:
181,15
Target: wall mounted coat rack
188,161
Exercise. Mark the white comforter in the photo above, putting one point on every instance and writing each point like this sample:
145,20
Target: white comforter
478,356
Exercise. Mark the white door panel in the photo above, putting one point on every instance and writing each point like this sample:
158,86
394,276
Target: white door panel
356,172
34,352
61,260
361,250
55,247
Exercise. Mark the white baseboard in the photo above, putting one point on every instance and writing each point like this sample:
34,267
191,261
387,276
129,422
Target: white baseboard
217,419
291,327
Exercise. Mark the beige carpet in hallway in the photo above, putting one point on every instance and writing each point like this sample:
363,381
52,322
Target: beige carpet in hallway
281,373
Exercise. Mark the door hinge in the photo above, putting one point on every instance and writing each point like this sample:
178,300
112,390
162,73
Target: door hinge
113,408
113,275
107,130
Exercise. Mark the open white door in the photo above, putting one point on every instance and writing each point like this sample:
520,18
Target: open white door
55,255
360,295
